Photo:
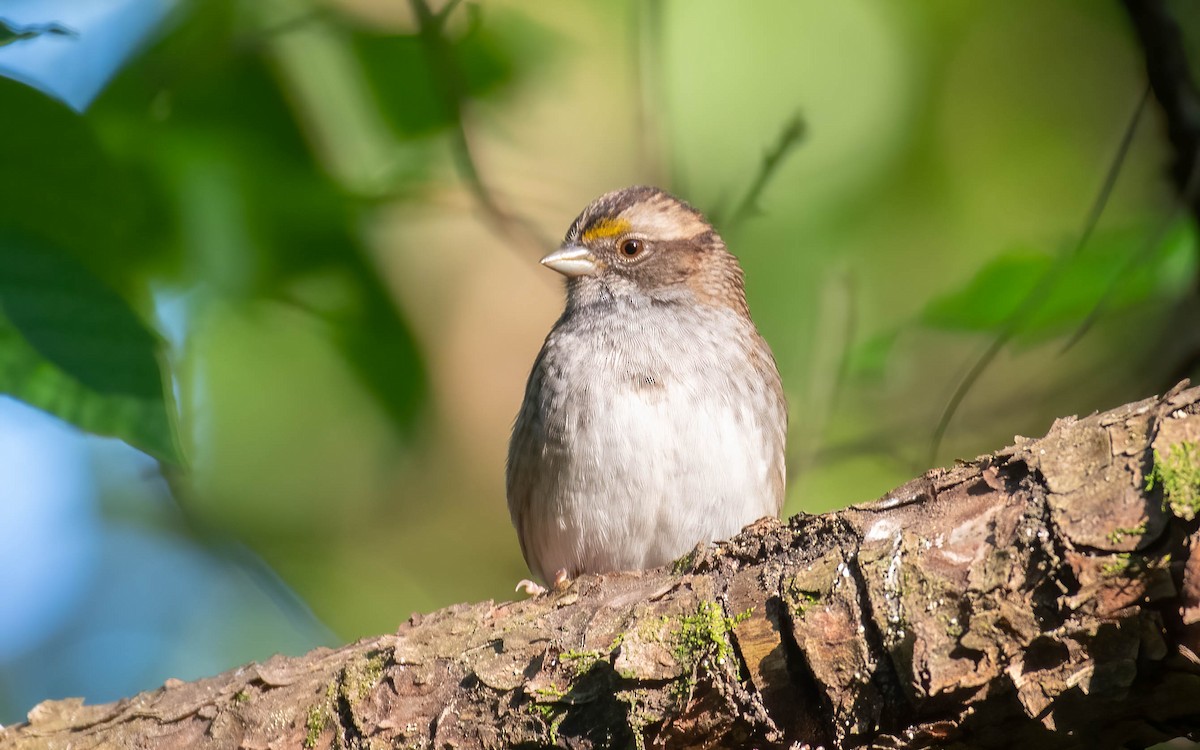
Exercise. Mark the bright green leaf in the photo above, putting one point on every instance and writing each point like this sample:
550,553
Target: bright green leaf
73,347
141,422
991,297
1050,296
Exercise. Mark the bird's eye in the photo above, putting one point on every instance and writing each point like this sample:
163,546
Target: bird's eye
632,248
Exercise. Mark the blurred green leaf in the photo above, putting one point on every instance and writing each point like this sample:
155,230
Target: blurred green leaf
71,225
1072,285
404,83
71,346
408,88
992,296
489,57
56,182
869,359
368,331
257,215
383,353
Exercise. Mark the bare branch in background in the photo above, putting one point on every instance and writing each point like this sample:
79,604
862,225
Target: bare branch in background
790,137
1171,78
431,28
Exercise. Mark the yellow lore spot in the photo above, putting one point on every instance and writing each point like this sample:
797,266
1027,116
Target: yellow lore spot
606,228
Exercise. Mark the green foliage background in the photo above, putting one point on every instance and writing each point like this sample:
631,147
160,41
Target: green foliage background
335,210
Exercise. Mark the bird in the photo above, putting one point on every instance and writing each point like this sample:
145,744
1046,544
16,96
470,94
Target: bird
654,418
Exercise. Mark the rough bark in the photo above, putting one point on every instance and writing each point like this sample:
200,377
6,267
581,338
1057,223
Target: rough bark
1041,596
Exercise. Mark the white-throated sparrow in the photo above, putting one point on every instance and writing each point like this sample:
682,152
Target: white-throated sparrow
654,418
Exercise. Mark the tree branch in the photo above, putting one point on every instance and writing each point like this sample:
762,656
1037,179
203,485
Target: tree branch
1046,595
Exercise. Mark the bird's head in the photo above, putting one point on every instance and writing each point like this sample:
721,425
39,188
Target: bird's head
643,244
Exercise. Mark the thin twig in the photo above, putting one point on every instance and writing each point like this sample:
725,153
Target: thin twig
791,135
1152,242
1041,291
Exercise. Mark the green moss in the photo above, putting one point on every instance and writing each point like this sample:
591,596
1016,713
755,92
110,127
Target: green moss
1178,474
684,564
241,696
1135,565
373,670
799,598
355,683
544,710
639,715
582,660
361,680
552,715
954,628
1120,564
1116,535
552,730
703,637
315,724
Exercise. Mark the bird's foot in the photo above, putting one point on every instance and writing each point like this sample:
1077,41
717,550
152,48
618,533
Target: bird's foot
561,580
529,587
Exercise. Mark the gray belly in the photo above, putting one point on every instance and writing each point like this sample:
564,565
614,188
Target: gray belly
655,474
632,467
